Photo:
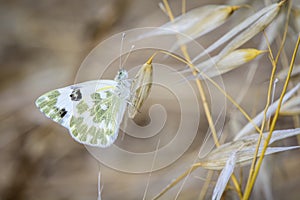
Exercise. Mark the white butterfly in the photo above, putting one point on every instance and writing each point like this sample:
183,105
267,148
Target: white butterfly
92,111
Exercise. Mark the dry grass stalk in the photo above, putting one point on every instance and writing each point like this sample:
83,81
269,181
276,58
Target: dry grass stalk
244,148
224,176
236,153
249,27
253,176
254,29
296,17
248,128
194,23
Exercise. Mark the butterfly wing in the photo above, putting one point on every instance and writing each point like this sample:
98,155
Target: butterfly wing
92,111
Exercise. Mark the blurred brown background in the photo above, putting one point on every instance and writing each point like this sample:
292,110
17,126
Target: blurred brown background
42,44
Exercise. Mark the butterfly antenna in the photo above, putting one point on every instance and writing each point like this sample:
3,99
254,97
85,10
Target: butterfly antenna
121,49
125,60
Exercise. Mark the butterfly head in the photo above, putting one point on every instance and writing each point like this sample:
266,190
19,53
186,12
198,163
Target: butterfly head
122,75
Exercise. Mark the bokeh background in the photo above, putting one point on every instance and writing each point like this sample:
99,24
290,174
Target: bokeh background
42,44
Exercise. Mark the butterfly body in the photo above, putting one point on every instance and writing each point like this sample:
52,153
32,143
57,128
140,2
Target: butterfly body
92,111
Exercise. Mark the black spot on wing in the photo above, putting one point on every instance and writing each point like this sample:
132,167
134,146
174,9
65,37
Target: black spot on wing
76,95
62,112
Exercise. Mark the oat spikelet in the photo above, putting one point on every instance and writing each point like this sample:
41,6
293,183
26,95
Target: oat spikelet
140,87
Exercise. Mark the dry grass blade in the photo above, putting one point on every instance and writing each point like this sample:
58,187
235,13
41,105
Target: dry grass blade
217,159
296,17
244,148
270,33
194,23
291,107
224,177
230,62
177,180
213,19
206,109
250,32
254,24
271,110
253,175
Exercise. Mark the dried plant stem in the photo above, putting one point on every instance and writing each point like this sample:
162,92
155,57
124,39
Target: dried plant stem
250,183
205,104
296,118
203,98
232,101
252,168
217,86
291,113
235,181
183,7
285,31
178,179
274,64
168,9
206,185
199,85
198,82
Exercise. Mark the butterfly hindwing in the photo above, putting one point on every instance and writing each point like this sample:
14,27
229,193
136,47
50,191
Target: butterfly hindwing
92,111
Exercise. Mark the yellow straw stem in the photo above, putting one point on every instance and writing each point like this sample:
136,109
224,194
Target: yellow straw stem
182,176
272,127
204,101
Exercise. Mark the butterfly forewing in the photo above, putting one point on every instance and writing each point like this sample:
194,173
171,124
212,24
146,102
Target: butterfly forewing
56,105
92,111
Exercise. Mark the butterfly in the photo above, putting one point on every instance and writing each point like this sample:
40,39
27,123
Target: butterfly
92,111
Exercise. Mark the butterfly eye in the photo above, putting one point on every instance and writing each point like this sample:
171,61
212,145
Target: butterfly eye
122,74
